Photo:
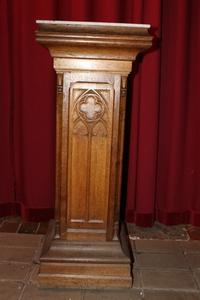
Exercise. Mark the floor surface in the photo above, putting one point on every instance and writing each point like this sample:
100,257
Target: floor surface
164,269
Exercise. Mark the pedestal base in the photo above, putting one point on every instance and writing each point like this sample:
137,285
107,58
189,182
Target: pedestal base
85,265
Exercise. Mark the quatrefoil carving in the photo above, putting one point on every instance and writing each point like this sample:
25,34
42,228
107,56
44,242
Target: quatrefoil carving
91,107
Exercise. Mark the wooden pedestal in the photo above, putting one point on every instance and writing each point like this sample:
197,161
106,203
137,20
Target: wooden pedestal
92,62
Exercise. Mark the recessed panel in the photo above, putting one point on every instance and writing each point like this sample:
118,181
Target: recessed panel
89,154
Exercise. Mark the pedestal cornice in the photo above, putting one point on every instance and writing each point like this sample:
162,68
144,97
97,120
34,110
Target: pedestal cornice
118,41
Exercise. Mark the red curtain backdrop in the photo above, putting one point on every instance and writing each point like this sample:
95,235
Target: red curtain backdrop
163,132
178,169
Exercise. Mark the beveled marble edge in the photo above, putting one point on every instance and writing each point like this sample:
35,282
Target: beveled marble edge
130,25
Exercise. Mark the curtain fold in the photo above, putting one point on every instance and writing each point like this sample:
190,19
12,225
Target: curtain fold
178,192
29,90
161,179
144,125
6,111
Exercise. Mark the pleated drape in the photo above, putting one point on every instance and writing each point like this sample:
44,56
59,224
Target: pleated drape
162,164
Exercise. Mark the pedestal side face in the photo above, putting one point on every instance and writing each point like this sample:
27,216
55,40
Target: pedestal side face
87,165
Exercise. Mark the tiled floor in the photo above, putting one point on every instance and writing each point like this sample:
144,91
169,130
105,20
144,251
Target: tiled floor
17,225
163,270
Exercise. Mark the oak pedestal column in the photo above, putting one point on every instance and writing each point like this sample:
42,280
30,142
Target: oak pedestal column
92,62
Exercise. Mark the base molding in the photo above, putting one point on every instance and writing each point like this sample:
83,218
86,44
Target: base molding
85,276
85,264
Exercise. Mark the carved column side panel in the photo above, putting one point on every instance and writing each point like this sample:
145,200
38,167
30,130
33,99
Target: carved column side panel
90,138
114,157
64,123
122,112
59,100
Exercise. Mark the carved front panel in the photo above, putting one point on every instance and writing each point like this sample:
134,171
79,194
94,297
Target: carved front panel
89,154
